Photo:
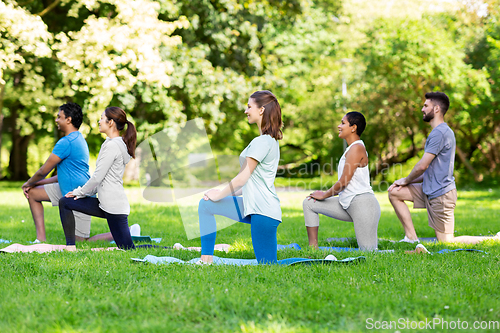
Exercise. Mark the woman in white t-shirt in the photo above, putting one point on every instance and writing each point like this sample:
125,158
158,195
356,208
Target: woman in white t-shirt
259,206
355,202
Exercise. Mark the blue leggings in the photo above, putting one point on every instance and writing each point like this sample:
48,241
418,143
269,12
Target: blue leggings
118,223
263,228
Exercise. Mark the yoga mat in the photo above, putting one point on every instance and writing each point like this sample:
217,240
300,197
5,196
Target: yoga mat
338,249
40,248
139,239
246,262
149,246
458,250
341,239
177,246
347,239
294,246
43,248
145,239
428,239
421,249
217,261
309,262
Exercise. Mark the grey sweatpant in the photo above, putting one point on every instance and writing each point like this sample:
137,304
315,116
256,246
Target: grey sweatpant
364,211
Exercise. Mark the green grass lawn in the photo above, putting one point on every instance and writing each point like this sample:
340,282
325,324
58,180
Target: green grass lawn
91,291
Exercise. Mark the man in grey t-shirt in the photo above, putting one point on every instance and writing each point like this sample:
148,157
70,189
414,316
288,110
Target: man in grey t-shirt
431,184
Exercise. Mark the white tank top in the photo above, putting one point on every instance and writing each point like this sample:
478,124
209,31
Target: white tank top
360,181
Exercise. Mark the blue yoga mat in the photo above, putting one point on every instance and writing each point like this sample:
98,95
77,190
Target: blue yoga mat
293,246
246,262
347,239
338,249
458,250
296,246
308,262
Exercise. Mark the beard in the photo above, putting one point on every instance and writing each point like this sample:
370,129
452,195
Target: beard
429,116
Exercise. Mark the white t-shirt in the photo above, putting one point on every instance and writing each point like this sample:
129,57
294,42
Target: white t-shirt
360,181
259,193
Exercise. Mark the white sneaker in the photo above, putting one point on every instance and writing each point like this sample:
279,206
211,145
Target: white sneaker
178,246
331,257
135,230
421,249
36,241
407,240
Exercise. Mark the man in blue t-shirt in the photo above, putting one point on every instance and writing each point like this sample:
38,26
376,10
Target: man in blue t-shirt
71,156
431,184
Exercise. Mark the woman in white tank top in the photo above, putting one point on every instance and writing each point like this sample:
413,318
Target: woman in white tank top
355,202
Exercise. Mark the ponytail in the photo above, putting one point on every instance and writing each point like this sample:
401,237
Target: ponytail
130,138
120,118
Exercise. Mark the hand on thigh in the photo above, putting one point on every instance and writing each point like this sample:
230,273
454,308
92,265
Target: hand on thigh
38,194
401,193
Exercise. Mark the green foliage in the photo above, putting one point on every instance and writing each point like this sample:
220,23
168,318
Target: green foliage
482,138
405,59
169,61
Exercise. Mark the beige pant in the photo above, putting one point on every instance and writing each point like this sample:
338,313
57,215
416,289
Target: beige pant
440,210
82,221
364,212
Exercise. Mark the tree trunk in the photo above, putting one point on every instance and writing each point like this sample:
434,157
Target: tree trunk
465,161
18,161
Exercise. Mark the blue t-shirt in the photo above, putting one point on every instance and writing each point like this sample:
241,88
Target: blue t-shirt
438,178
73,170
259,194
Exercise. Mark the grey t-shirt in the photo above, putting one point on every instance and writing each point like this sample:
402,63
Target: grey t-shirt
438,178
259,193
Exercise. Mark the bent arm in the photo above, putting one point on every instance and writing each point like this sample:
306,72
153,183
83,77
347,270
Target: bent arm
417,173
237,183
50,180
418,170
45,169
355,158
104,162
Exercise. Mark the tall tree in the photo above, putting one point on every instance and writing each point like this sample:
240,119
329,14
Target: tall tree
26,97
404,59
